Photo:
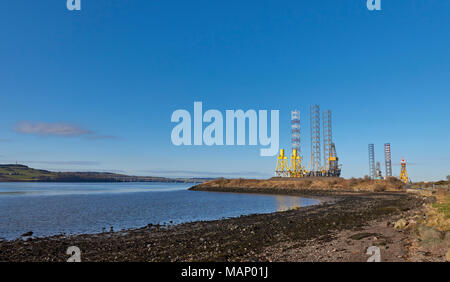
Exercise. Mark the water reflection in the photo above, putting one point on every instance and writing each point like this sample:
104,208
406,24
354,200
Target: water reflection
285,203
74,208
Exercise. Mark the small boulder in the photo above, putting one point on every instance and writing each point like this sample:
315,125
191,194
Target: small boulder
359,236
432,234
27,234
400,224
430,200
447,238
412,222
429,234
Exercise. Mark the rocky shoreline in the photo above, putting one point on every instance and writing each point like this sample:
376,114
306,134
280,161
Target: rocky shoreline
337,230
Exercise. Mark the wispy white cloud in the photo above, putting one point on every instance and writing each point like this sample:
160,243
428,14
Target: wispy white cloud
69,163
48,128
58,129
81,163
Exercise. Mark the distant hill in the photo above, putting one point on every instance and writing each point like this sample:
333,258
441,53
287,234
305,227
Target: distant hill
23,173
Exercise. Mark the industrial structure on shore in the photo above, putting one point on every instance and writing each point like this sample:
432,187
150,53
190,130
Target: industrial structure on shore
403,173
375,169
296,166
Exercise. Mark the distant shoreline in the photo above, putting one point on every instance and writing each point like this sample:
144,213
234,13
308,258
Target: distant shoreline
102,181
23,173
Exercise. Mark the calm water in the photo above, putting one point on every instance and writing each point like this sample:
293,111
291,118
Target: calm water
73,208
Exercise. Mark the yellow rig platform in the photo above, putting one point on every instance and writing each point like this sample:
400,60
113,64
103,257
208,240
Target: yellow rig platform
295,168
403,173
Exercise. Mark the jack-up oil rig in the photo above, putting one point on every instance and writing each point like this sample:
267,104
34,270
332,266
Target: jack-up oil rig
375,170
403,173
331,166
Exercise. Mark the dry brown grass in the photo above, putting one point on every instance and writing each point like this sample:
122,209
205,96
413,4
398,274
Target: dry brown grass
322,183
438,214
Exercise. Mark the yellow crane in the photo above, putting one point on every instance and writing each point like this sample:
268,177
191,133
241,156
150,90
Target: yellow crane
403,173
295,169
282,168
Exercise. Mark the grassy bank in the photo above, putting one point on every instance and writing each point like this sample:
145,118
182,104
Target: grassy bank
314,184
438,213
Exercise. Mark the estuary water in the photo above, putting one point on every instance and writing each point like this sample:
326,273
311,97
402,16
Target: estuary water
76,208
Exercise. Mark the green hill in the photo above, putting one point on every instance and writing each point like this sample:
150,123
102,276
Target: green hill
23,173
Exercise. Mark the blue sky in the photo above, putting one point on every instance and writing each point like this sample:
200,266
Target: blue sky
110,76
